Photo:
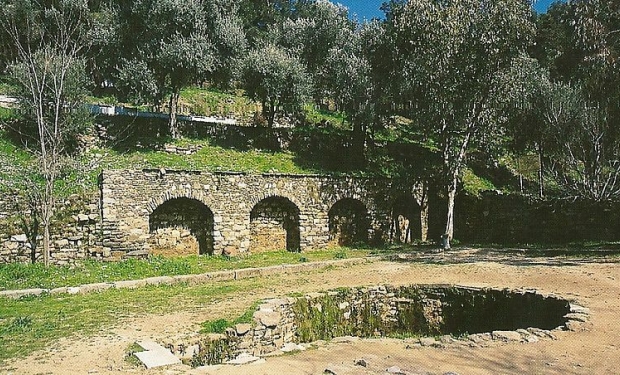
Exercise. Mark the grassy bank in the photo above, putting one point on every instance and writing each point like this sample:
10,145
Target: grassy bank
30,324
24,276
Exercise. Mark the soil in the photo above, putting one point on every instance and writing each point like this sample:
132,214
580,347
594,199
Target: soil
593,349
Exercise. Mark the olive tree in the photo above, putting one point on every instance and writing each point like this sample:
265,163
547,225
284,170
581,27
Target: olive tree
176,43
275,79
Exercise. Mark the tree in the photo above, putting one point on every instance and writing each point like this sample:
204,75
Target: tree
347,77
49,72
176,43
580,41
319,28
275,79
450,55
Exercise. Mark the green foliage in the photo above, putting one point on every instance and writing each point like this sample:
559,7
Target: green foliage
220,325
32,323
210,102
314,115
277,80
341,254
215,326
24,276
20,324
176,44
8,114
212,352
475,185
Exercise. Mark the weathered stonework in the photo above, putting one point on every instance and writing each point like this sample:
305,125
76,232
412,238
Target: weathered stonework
239,212
275,326
74,236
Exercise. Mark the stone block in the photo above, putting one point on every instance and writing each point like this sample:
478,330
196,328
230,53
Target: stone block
19,238
129,284
506,336
96,287
161,280
21,293
242,329
221,276
157,358
268,319
247,273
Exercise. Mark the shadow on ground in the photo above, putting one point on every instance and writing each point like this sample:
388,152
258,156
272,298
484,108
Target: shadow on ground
507,256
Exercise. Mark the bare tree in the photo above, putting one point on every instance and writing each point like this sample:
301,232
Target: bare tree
49,72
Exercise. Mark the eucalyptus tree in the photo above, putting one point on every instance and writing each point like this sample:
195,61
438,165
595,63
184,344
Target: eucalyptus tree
449,55
176,43
276,79
49,42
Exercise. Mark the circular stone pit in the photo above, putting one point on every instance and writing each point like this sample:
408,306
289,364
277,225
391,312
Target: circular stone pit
427,315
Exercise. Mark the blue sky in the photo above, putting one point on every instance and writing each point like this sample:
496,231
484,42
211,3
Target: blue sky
370,8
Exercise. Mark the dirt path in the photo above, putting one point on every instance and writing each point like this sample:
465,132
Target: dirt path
595,350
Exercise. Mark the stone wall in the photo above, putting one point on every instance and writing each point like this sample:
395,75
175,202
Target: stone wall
75,233
280,325
511,219
249,211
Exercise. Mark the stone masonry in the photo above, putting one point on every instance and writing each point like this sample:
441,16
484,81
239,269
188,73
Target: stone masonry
241,212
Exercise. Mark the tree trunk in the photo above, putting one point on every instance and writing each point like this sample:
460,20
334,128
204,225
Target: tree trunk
359,140
541,180
173,123
449,232
46,244
424,214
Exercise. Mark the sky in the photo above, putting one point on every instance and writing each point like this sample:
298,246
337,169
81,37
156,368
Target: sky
370,8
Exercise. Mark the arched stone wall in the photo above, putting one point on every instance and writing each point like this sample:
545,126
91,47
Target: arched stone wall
274,225
181,226
349,222
129,198
405,225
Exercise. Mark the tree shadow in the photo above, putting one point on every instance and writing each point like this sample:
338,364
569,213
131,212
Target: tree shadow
552,257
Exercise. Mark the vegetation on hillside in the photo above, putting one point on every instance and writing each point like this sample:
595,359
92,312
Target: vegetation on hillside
496,98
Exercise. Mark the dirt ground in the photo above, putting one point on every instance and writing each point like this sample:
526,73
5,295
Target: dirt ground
591,282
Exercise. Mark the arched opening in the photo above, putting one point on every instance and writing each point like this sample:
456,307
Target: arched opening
405,223
274,225
348,222
181,226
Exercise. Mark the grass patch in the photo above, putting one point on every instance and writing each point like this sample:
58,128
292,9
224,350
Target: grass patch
24,276
130,354
8,114
315,115
220,325
210,102
32,323
474,185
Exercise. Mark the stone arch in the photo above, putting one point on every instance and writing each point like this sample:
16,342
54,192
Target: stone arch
405,224
174,194
181,226
349,222
274,224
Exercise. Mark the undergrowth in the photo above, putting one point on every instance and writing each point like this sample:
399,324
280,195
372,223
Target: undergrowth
24,276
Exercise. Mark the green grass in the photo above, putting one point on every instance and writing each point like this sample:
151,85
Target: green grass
29,324
24,276
315,115
220,325
210,158
210,102
474,185
8,114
